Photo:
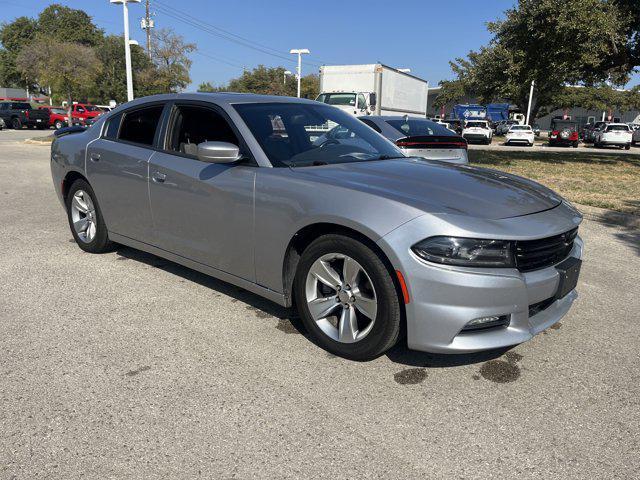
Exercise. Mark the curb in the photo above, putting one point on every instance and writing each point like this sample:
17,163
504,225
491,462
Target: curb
602,215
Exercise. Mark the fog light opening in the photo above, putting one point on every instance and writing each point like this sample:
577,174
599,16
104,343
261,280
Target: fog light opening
483,323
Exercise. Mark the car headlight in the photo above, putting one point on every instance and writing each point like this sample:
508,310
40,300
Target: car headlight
467,252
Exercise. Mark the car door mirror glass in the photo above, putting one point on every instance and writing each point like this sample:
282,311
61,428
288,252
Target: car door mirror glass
218,152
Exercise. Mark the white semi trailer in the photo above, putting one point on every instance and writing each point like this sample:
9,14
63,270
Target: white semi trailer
373,89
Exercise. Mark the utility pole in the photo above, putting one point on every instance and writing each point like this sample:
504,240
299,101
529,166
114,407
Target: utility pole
530,99
147,24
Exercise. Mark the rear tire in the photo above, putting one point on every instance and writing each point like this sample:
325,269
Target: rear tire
83,210
372,282
16,124
627,147
575,145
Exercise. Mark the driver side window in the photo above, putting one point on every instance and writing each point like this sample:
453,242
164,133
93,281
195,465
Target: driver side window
193,125
362,103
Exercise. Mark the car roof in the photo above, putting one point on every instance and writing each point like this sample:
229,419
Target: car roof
220,98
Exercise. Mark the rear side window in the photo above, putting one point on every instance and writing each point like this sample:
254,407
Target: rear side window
139,126
21,106
113,125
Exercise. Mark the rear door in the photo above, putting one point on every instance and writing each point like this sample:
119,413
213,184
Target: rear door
203,211
118,170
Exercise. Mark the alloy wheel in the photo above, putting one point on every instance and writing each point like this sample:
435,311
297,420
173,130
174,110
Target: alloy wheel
83,215
341,298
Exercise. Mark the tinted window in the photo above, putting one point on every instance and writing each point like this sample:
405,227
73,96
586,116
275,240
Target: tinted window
521,127
111,132
419,128
21,106
193,125
302,134
372,124
139,126
476,125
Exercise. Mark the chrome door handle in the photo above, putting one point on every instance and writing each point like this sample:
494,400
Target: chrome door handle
95,157
159,177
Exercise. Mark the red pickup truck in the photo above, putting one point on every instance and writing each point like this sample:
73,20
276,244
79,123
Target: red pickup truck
85,111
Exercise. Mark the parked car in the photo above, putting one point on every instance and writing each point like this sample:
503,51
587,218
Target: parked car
563,133
2,124
614,134
589,131
520,134
504,126
363,240
419,137
536,129
454,125
18,114
477,131
58,116
635,137
85,111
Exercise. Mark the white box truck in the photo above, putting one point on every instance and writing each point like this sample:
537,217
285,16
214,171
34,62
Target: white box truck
373,89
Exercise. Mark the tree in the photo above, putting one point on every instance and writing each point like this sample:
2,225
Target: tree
169,53
68,25
111,83
67,67
13,37
268,81
582,42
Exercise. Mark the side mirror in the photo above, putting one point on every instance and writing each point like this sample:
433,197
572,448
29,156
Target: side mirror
218,152
372,100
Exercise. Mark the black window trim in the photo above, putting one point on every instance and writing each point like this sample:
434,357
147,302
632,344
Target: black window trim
170,112
372,124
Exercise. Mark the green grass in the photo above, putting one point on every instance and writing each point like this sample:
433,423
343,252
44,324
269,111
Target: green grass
601,180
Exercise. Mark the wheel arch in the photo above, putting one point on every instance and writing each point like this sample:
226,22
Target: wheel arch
68,180
303,238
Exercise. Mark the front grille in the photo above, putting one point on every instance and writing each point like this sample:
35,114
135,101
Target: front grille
536,254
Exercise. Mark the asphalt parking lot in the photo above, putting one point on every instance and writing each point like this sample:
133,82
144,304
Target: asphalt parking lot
125,365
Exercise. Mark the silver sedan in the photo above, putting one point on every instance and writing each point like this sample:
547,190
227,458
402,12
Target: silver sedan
364,241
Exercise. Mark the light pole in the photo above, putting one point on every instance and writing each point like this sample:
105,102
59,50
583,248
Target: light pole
299,52
127,45
530,99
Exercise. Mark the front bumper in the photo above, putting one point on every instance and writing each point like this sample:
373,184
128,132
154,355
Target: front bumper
444,299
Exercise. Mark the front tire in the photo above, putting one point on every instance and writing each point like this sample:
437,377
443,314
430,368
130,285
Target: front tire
85,219
58,125
347,298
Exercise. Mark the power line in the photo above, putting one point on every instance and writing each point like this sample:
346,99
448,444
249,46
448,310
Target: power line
224,34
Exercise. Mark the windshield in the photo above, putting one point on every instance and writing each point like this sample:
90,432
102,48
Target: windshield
419,127
301,134
617,128
476,125
521,127
338,98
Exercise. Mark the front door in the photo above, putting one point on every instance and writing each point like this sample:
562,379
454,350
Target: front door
202,211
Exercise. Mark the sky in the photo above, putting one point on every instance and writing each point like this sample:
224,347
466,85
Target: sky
423,35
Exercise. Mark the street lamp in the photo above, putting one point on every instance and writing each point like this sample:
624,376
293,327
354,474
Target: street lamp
299,52
127,44
284,79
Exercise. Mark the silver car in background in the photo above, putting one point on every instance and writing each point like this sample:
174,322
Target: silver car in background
363,240
419,137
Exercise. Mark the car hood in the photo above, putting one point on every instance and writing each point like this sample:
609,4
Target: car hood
437,187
